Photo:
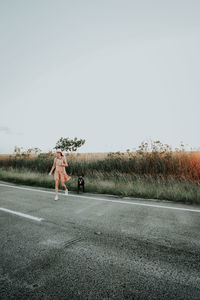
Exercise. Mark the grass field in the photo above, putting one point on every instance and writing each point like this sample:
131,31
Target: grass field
115,184
157,173
179,164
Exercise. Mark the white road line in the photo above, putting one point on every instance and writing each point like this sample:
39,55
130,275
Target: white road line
106,200
27,189
139,204
20,214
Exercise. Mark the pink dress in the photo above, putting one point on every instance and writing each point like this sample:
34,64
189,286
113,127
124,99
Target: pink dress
60,173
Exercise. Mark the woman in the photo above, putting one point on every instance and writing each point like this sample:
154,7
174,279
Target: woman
60,163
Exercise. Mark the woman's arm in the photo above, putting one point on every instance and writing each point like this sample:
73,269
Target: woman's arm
65,164
53,167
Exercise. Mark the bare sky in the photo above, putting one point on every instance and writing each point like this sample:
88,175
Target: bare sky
113,72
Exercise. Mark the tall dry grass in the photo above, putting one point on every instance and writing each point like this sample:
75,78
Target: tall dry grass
151,160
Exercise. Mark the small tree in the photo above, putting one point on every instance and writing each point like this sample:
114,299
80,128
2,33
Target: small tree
66,144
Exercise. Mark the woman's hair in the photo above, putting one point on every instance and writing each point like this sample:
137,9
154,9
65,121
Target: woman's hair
60,153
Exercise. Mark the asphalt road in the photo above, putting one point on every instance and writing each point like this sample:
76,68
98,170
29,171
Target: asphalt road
96,247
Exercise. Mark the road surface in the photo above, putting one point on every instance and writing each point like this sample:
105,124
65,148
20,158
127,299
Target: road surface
96,247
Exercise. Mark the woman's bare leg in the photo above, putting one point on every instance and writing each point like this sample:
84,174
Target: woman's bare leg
63,185
56,187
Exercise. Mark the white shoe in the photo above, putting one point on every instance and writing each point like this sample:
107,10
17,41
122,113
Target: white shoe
56,198
66,192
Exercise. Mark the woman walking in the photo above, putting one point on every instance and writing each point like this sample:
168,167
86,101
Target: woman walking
60,163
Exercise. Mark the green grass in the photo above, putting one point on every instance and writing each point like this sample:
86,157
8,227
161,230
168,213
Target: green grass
181,165
115,183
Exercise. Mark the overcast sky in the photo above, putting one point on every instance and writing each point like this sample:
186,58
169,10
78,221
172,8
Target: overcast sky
114,72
